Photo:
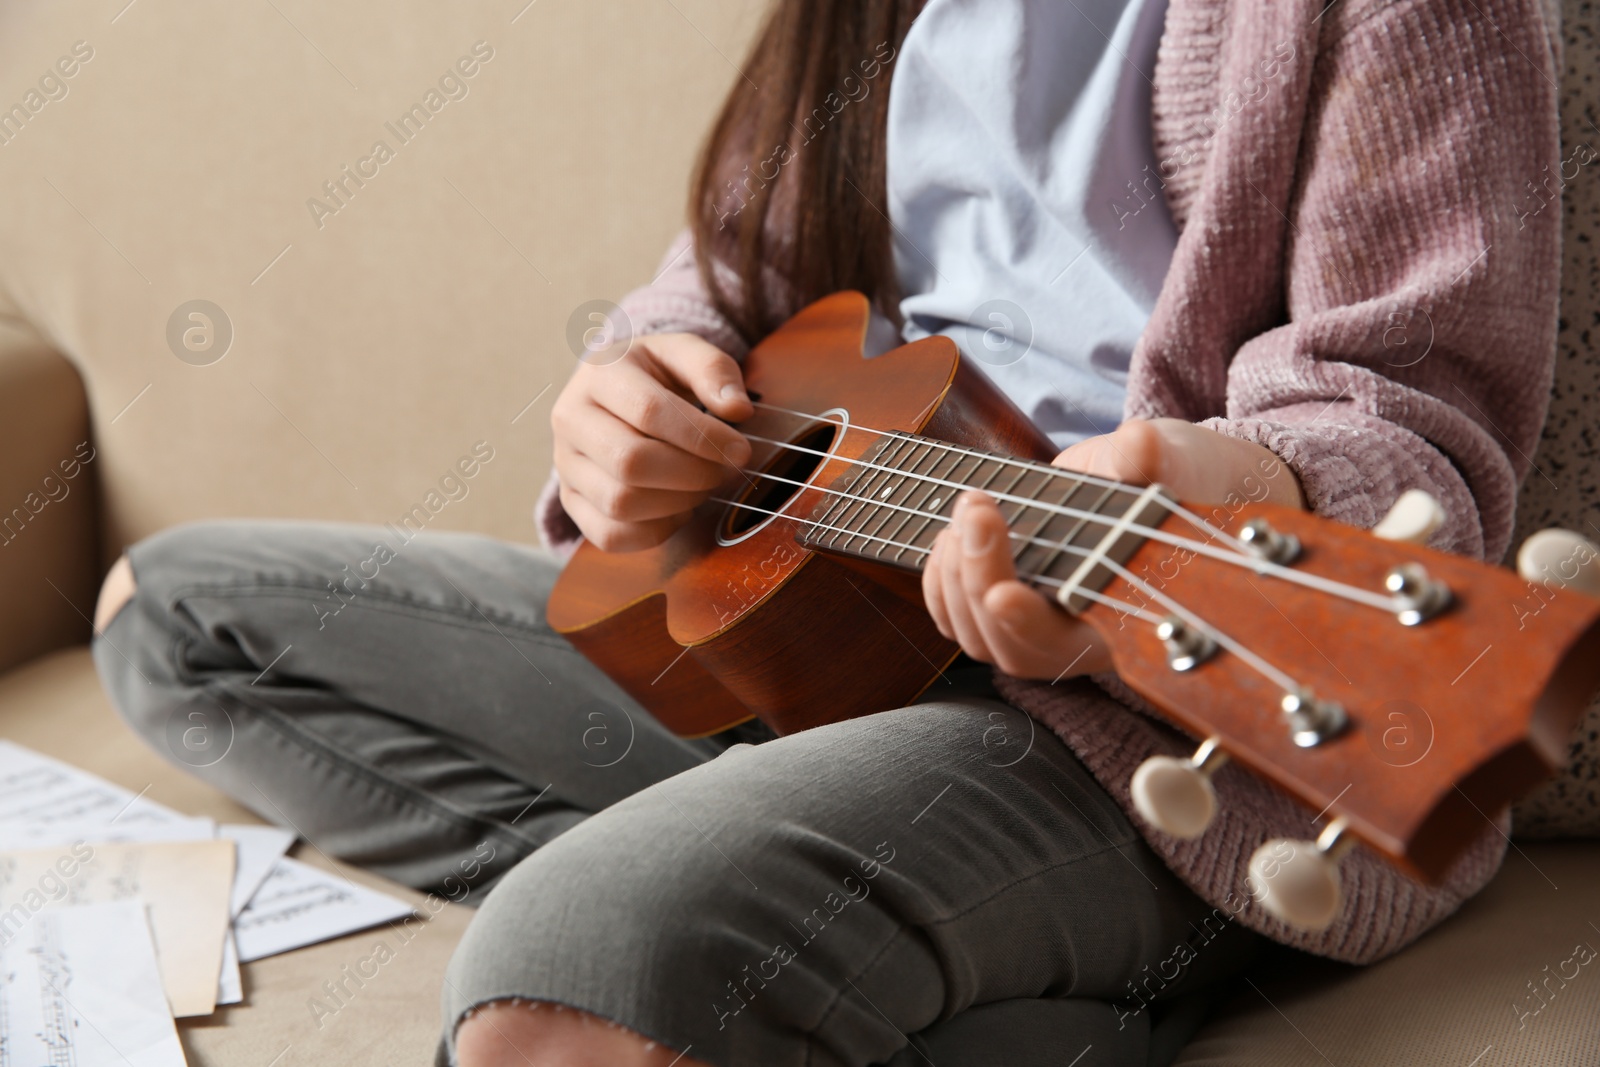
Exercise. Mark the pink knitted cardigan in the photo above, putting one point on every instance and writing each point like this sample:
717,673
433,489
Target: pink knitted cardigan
1360,286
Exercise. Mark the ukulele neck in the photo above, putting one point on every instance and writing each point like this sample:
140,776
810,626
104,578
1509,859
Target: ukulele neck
891,504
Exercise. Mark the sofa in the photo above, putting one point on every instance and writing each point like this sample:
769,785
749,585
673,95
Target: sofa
219,298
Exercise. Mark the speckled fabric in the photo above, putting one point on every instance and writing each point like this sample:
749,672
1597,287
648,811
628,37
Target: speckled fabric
1339,171
1565,484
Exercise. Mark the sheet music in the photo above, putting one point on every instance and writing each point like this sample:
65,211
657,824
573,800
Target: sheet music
79,987
299,905
35,789
186,885
16,837
260,849
230,983
277,904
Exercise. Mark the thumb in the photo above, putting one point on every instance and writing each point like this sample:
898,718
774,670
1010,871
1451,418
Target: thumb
1131,453
701,369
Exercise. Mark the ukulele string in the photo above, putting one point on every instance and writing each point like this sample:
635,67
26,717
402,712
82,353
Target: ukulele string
1259,566
1251,659
1131,609
1238,559
1262,667
1011,461
1076,550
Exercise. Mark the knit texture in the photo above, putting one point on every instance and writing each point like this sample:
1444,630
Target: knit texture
1356,289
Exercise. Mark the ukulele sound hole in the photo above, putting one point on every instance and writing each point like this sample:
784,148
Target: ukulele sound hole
767,495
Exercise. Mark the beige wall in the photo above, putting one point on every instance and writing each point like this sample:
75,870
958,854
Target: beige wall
419,319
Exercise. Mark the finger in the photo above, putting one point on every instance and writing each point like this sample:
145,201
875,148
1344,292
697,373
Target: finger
932,594
708,373
641,400
986,548
618,500
1055,644
610,535
633,458
985,544
953,591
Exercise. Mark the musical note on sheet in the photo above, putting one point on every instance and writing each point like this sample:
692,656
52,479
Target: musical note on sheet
299,905
184,883
79,987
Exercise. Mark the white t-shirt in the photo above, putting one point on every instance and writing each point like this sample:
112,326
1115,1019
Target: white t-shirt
1029,223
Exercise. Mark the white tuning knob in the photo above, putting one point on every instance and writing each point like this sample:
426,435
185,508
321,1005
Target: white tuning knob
1563,558
1175,795
1298,881
1412,518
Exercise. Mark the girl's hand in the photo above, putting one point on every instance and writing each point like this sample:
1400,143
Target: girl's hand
971,586
633,453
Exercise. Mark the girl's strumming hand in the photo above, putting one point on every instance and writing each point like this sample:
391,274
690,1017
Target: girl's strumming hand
633,453
970,583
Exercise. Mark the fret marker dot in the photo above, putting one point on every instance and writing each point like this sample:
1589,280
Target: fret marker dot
933,505
884,493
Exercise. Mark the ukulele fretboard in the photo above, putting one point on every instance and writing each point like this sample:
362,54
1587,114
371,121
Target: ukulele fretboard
892,503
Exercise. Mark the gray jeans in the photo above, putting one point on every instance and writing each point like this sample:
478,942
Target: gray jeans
940,884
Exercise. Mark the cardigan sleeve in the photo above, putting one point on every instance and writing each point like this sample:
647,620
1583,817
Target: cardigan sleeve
1421,271
674,302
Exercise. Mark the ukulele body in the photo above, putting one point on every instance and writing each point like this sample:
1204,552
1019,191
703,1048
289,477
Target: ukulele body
730,617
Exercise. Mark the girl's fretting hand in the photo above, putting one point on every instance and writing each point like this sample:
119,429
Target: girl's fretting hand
970,583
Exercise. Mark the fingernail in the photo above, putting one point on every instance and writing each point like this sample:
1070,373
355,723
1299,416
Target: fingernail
974,533
732,392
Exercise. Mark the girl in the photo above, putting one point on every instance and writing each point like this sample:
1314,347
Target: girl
1279,243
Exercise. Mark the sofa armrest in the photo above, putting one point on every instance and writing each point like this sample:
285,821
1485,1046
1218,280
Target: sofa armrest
49,568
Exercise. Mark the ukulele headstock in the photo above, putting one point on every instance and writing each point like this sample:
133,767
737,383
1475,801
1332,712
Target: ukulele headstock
1406,695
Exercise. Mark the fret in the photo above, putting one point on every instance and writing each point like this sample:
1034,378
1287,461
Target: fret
1057,529
879,489
935,499
1068,531
1000,466
889,508
891,505
1010,488
1134,510
860,496
1034,481
911,480
839,495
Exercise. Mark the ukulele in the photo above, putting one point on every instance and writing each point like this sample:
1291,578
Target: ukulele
1288,643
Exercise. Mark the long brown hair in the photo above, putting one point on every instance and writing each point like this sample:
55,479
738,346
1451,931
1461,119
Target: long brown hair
791,180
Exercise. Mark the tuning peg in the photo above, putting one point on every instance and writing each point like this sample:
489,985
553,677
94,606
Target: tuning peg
1412,518
1563,558
1175,795
1298,881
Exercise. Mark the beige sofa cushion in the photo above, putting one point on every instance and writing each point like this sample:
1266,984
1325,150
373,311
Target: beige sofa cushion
1461,997
373,346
